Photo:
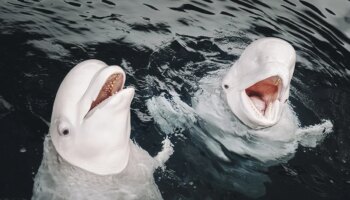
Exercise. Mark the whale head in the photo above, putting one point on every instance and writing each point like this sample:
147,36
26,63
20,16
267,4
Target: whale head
257,85
90,122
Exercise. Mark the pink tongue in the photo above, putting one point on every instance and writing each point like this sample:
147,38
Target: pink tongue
259,104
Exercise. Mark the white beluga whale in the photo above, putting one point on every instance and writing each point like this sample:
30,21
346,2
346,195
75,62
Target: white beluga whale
88,153
257,85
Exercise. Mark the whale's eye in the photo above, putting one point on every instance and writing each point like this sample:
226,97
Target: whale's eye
226,86
63,128
65,132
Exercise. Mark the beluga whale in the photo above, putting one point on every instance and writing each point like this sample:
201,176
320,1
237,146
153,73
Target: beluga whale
257,85
88,153
239,115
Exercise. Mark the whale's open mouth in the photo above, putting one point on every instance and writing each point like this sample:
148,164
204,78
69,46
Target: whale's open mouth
112,86
263,94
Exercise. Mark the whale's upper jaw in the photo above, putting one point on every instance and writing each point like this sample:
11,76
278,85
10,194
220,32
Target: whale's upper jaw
90,123
257,86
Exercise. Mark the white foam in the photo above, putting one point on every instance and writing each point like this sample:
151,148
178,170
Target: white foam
172,114
312,135
164,155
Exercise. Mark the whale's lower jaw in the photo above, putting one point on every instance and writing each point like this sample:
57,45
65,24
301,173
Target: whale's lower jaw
245,110
263,96
266,117
260,104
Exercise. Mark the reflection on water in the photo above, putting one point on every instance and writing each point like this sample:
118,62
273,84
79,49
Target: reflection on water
172,52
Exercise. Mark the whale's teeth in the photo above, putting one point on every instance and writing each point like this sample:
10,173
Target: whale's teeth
258,103
269,110
113,84
261,108
253,105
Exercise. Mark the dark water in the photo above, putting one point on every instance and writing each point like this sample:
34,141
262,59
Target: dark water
166,45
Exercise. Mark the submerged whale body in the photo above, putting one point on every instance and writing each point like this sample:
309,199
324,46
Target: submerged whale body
88,153
257,85
59,179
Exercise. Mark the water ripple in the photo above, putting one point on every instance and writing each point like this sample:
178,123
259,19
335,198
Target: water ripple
190,7
168,50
